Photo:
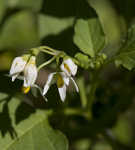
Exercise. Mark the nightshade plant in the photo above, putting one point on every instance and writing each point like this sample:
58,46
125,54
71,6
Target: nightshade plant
67,75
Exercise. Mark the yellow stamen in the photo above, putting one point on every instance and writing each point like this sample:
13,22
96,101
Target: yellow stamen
25,90
60,81
67,68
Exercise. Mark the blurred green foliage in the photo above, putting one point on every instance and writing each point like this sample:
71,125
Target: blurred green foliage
101,36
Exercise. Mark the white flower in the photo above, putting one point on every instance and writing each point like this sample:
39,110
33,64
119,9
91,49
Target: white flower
62,81
27,65
69,67
17,67
30,72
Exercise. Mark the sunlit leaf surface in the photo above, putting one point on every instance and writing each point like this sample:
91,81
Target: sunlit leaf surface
89,36
30,134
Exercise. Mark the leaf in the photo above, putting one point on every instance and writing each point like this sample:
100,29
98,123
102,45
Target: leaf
127,60
3,96
123,130
52,25
126,57
83,144
31,4
83,60
3,8
114,29
102,145
19,34
89,36
33,133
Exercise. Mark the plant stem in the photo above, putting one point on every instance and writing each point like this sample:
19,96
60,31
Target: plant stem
83,95
47,62
73,111
49,49
92,93
48,52
76,111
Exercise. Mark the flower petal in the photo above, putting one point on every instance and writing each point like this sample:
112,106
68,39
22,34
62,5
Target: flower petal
48,83
40,90
72,66
62,92
14,77
76,87
65,78
17,67
30,75
62,67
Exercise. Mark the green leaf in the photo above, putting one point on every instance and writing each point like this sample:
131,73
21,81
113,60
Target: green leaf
102,145
30,4
3,96
52,25
19,34
83,60
89,36
127,60
33,133
114,29
123,130
126,57
3,7
83,144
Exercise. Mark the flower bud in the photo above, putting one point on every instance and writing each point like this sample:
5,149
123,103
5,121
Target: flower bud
69,67
30,72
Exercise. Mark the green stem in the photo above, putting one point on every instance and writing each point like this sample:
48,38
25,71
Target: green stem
72,111
76,111
47,62
92,93
49,48
82,89
35,51
48,52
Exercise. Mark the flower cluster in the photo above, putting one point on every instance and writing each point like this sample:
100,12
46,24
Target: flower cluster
25,68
